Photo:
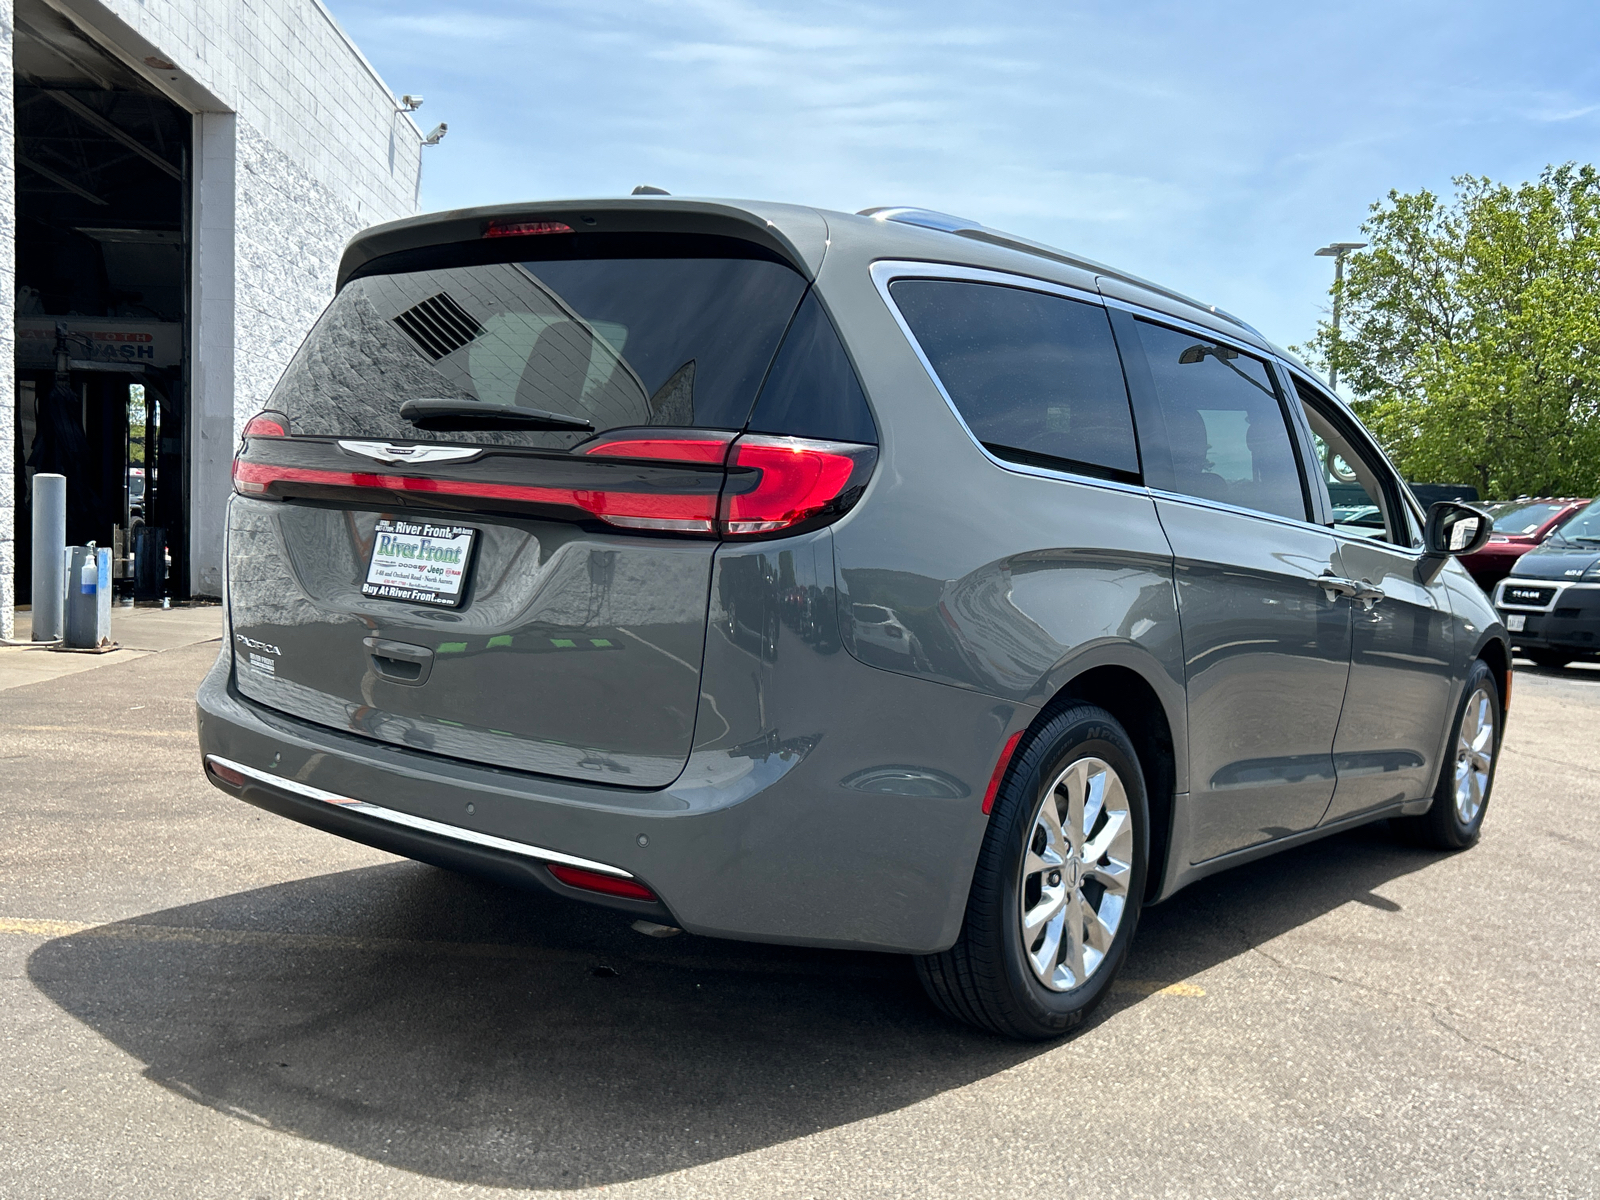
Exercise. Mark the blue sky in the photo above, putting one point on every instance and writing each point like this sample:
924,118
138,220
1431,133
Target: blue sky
1211,147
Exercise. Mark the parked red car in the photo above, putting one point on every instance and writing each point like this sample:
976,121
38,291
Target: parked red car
1519,526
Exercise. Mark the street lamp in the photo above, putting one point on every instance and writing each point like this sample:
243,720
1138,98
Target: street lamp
1337,251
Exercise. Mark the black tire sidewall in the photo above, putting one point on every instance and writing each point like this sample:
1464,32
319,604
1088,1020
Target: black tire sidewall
1447,823
1078,733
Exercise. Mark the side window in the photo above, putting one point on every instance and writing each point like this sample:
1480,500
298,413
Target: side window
1036,377
812,390
1363,506
1226,434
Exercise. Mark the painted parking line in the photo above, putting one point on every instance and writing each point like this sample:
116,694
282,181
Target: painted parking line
135,931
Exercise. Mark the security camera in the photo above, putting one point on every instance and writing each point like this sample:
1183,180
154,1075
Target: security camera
412,103
436,135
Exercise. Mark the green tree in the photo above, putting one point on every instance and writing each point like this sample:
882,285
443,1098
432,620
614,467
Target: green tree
1472,334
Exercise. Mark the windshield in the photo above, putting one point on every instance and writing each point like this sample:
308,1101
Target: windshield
611,341
1520,517
1583,528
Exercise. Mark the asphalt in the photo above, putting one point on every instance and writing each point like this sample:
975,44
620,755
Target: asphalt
200,999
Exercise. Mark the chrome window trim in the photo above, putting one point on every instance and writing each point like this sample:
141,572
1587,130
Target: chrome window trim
1560,586
886,271
423,824
1161,317
1237,510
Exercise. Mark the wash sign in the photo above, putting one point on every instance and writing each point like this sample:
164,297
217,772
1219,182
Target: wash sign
100,340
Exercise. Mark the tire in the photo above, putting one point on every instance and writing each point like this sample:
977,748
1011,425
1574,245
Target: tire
988,978
1552,659
1456,818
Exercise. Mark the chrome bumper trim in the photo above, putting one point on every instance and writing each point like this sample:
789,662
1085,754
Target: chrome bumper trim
454,832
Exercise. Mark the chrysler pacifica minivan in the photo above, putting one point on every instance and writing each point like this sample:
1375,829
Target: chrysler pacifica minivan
878,581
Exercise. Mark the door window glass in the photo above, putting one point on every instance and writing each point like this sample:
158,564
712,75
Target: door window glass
1036,377
1226,434
1362,505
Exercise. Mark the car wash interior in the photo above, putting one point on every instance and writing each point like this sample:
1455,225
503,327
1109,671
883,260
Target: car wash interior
102,302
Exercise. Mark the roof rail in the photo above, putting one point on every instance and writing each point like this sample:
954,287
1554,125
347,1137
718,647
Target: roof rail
927,218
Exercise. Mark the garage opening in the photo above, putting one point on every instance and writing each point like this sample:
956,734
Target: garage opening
102,303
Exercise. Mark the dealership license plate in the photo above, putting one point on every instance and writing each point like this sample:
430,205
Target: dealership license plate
419,562
1515,622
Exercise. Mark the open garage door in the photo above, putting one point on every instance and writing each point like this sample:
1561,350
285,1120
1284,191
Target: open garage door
102,304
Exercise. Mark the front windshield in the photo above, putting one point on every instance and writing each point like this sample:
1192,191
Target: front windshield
1583,528
1520,517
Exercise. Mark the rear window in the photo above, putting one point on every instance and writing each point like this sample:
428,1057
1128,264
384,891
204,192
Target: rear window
612,340
1036,377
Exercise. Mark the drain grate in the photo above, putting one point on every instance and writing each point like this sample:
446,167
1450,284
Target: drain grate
438,326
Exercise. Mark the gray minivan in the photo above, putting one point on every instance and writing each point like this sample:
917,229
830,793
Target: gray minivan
878,581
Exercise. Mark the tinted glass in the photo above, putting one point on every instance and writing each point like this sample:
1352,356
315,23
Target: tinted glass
1035,377
1515,517
1363,504
613,341
812,390
1226,436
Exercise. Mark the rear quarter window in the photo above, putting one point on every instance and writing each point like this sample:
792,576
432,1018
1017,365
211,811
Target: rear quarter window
1036,377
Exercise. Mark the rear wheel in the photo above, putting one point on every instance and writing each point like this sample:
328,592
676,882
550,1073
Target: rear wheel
1058,886
1467,777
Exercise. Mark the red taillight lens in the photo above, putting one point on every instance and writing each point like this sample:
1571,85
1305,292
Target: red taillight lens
266,424
525,228
594,881
796,480
701,450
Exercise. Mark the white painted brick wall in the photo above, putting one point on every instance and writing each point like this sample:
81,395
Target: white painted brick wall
293,76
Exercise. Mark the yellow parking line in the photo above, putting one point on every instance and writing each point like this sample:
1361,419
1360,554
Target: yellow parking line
133,931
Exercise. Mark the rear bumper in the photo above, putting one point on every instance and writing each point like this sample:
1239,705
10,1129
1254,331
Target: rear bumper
775,845
1569,621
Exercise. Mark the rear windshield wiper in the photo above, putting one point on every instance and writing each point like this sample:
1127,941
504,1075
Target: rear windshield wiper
458,416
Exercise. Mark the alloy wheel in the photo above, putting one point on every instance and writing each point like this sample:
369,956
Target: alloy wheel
1475,746
1075,874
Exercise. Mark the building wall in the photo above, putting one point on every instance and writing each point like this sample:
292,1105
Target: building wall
298,145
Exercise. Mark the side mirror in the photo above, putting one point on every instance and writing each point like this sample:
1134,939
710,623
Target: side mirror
1453,529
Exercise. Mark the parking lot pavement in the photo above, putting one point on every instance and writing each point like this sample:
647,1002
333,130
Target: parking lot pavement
200,999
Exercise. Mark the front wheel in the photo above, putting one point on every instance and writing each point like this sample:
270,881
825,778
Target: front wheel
1467,776
1058,886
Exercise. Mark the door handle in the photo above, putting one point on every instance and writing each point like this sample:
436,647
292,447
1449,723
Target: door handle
399,662
1367,595
1333,586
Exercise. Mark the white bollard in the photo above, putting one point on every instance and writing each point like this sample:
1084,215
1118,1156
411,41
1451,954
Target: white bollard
49,557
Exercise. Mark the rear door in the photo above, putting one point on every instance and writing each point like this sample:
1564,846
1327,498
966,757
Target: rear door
1266,638
479,519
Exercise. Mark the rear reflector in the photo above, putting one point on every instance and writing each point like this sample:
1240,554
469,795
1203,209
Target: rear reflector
525,228
799,479
227,774
1009,749
593,881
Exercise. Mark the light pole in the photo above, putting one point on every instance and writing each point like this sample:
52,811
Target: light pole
1337,251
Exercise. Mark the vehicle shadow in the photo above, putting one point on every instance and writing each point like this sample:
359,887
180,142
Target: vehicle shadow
482,1035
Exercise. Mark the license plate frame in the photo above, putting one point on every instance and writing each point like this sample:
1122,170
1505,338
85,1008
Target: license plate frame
420,562
1516,622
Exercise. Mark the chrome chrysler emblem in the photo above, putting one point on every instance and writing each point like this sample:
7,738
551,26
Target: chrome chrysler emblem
384,452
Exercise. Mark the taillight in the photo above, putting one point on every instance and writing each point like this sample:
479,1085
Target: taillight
701,450
780,483
594,881
266,424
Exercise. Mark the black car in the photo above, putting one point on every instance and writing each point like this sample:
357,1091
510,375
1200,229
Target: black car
1550,602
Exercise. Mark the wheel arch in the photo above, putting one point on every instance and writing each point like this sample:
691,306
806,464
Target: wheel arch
1137,705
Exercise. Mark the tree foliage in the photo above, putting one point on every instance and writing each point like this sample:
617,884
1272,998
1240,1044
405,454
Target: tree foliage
1471,334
